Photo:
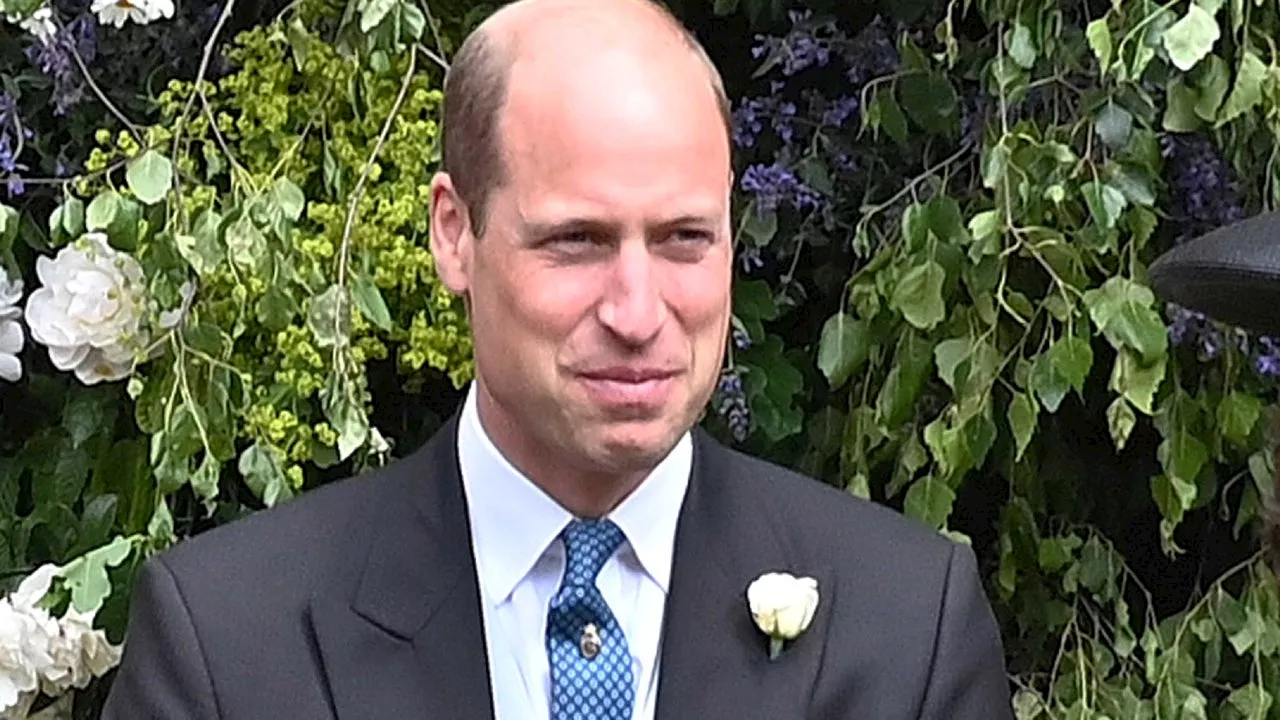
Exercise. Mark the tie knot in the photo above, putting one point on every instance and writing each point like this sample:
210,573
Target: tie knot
588,545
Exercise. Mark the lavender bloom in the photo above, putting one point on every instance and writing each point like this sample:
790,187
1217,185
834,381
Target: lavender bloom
741,339
748,121
1206,196
844,162
782,121
801,48
774,184
871,54
732,404
1268,361
56,60
10,167
839,111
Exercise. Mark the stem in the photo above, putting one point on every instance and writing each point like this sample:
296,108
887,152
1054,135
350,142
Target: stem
178,126
345,251
775,647
84,70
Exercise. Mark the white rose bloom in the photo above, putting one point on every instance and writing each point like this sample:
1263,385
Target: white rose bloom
80,654
89,308
117,12
11,337
782,605
25,639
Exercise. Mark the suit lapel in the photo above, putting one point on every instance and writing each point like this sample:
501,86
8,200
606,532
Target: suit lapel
411,643
714,661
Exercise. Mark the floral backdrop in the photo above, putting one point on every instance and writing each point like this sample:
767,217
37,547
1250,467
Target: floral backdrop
216,294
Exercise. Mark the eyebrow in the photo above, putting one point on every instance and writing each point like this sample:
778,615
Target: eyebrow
542,228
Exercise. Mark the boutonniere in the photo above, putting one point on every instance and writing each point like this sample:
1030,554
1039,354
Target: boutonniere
782,606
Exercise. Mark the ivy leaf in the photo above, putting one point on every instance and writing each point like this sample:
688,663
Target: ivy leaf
947,356
288,197
843,348
71,215
1120,421
329,317
246,244
369,299
1138,191
760,227
1048,383
1105,203
1023,413
1214,81
1190,39
372,13
150,176
1056,553
1099,37
1180,108
205,480
260,466
1237,415
1136,380
102,211
884,113
203,257
915,227
1022,47
918,295
725,7
1113,125
1072,358
929,500
929,100
1121,309
86,576
1251,700
1247,91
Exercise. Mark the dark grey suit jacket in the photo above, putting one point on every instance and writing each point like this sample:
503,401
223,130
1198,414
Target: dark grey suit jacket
359,600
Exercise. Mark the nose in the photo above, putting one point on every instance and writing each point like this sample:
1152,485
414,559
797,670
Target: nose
633,308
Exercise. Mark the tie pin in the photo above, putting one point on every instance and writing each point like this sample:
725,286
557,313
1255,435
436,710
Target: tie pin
589,644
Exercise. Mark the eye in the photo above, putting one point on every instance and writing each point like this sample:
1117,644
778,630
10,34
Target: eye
692,236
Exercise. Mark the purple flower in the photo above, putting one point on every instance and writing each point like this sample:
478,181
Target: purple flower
751,260
748,121
782,121
741,339
774,185
807,44
56,60
1205,194
870,54
731,404
1267,363
839,111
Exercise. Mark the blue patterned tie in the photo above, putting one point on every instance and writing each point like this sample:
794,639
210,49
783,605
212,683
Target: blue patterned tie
591,675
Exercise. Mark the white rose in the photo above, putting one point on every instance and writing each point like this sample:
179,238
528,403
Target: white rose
80,654
11,337
25,639
782,605
88,309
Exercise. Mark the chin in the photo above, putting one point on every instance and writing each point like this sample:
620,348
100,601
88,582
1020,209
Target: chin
633,447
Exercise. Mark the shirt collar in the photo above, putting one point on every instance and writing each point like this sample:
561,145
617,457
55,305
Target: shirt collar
513,522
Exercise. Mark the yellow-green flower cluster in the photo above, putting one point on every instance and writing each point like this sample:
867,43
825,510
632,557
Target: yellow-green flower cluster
314,117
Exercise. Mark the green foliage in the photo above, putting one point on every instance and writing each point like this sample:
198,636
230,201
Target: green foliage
992,307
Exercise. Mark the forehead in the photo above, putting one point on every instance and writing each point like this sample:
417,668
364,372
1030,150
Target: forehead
615,128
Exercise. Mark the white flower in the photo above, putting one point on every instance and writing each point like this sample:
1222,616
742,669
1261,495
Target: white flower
38,23
117,12
80,654
11,337
25,639
782,606
88,311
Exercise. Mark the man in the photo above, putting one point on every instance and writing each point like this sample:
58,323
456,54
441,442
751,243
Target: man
568,546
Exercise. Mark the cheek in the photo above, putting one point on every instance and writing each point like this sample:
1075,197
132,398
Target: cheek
699,296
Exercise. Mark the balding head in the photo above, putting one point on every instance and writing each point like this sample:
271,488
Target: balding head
542,38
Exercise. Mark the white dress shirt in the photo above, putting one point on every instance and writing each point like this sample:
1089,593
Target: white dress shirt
520,560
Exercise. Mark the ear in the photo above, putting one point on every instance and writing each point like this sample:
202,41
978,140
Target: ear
451,237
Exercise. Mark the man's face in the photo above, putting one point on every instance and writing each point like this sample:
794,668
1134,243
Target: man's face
600,291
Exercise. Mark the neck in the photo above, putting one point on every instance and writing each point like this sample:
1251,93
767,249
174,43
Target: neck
587,492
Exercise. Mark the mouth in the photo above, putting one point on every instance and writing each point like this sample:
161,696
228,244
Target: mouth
629,385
